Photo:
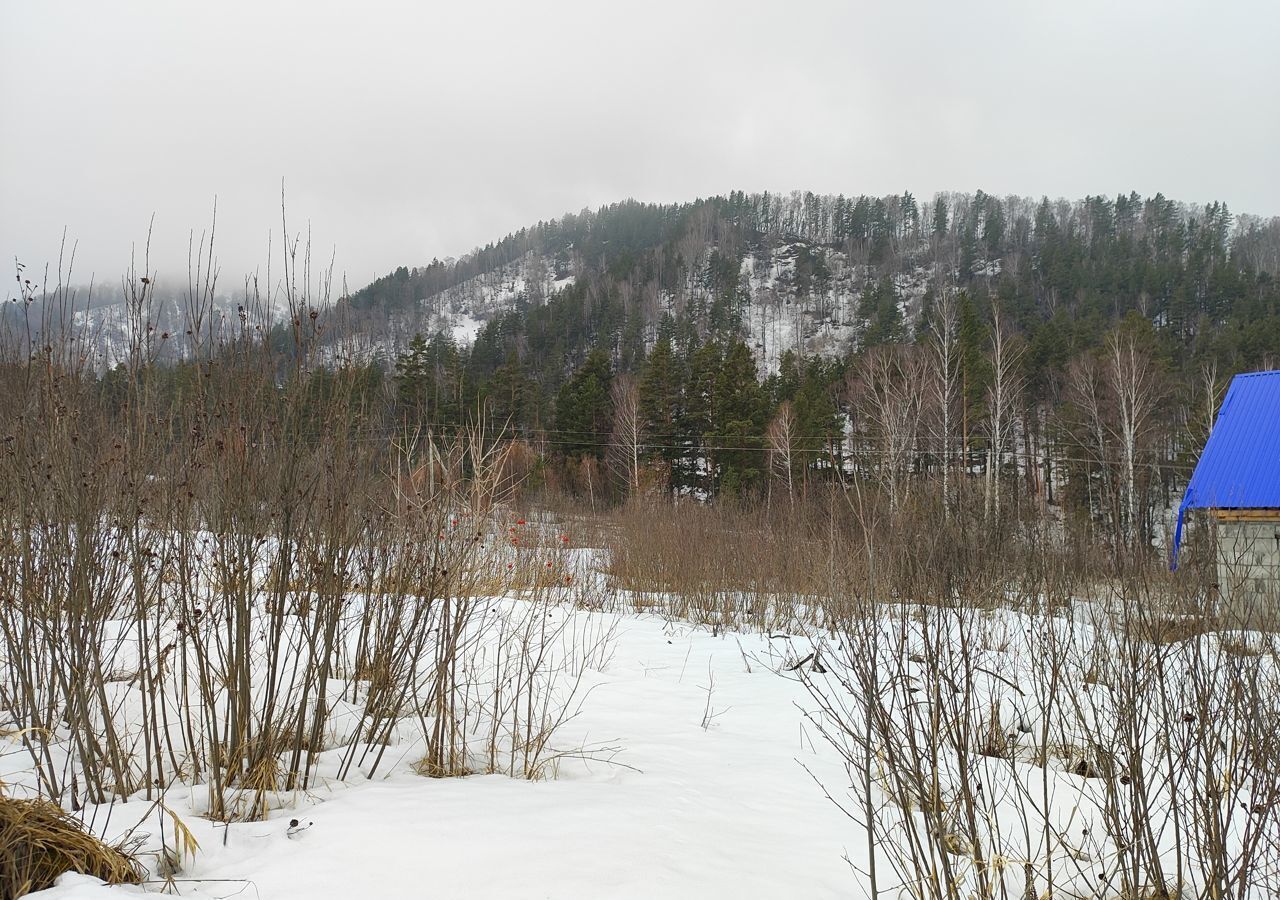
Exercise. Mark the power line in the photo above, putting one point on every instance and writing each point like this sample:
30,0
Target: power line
911,454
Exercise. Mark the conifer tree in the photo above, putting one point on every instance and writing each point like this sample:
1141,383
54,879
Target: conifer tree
737,423
661,407
584,409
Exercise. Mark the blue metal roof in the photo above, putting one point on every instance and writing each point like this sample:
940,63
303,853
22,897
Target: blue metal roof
1240,465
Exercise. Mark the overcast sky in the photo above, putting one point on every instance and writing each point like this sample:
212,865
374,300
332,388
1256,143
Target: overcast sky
405,131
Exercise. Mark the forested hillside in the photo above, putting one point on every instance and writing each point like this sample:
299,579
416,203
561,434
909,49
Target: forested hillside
1057,356
1069,352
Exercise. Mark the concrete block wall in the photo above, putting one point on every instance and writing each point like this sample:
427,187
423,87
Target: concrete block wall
1249,568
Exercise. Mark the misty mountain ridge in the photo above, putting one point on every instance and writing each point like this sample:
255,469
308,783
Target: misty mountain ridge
821,275
816,275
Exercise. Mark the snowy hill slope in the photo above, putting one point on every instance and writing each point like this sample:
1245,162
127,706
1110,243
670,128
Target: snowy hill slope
777,310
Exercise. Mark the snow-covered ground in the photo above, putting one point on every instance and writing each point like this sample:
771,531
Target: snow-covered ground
464,309
707,795
693,764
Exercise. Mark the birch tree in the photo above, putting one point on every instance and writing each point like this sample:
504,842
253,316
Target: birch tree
626,445
1086,391
1211,394
945,384
781,437
891,397
1002,400
1132,378
1115,396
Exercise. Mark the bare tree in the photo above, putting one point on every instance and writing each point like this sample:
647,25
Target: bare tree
1002,399
891,398
781,436
945,385
1115,397
627,442
1086,391
1212,394
1131,376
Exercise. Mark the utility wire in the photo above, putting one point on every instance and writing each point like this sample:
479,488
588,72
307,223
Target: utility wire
539,437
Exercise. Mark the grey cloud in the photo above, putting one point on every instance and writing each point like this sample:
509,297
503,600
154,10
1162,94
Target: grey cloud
409,130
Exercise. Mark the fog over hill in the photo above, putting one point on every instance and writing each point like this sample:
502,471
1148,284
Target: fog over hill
814,275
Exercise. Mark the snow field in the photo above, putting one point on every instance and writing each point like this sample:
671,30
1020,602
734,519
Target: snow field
989,749
707,795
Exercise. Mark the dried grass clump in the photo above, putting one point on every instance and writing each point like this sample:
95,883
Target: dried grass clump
1169,629
39,841
428,768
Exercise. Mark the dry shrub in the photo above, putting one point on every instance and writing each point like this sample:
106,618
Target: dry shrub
39,842
704,555
766,566
1238,644
283,530
1171,630
518,461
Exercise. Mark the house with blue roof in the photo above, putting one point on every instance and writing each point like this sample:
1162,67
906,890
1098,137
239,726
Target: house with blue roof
1237,480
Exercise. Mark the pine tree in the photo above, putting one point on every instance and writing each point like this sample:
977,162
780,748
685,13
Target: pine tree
737,423
512,399
881,314
429,382
584,409
660,400
940,217
697,414
411,381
